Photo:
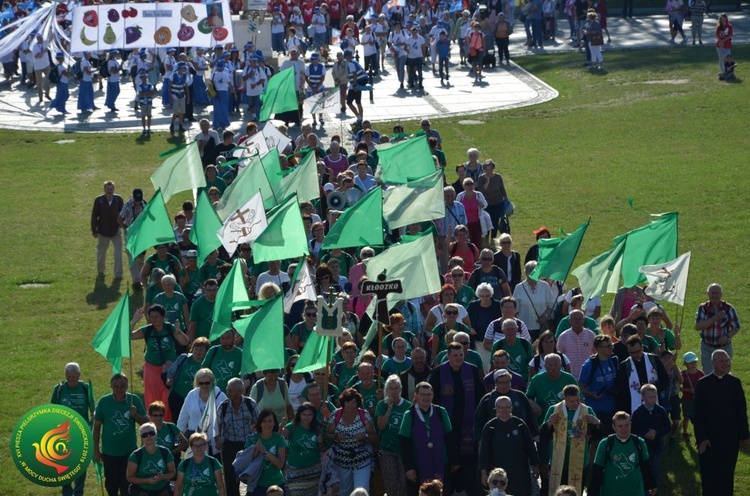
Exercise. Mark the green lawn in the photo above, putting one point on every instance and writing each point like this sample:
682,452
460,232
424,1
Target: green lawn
657,127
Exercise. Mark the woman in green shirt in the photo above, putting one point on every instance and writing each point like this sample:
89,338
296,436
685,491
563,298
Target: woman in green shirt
200,475
389,413
270,445
305,445
151,467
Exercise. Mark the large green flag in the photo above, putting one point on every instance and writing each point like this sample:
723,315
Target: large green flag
405,161
415,201
414,263
359,225
263,333
280,95
651,244
251,179
303,180
285,235
556,255
181,171
232,296
152,227
272,167
205,226
112,340
654,243
316,354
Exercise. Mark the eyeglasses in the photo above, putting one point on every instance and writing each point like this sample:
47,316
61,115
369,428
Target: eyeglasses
635,352
452,312
320,374
504,242
311,315
244,249
204,383
146,434
486,259
457,275
499,482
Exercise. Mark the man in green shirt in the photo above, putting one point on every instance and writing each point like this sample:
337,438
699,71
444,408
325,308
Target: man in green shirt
224,360
114,426
519,350
367,385
344,371
202,311
620,467
546,388
77,395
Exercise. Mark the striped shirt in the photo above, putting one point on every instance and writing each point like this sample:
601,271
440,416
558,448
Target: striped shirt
577,347
721,327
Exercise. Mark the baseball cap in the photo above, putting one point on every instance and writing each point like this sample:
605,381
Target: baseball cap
191,254
328,187
689,357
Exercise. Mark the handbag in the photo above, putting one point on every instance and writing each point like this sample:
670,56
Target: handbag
211,89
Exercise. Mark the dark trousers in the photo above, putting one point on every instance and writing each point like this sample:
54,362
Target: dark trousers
371,63
175,403
627,8
414,68
228,453
467,476
717,467
443,66
502,49
495,212
115,469
189,108
76,488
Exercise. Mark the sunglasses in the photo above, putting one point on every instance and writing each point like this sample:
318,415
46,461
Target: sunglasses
499,482
204,383
451,313
457,274
148,434
311,315
486,260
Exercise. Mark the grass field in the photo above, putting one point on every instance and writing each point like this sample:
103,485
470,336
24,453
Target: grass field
657,127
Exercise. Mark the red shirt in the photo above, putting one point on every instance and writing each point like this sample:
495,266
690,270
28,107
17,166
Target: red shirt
724,36
307,11
334,9
351,7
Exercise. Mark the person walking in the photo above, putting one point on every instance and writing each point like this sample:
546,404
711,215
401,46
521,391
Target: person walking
106,229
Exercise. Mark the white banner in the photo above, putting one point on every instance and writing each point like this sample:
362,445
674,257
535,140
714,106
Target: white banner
254,145
147,25
274,137
327,102
244,224
668,281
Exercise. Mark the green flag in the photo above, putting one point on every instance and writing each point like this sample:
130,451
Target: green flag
205,226
251,179
285,235
272,167
263,333
316,354
112,340
651,244
152,227
405,161
415,201
407,238
232,295
654,243
359,225
372,331
181,171
303,180
280,95
414,263
556,255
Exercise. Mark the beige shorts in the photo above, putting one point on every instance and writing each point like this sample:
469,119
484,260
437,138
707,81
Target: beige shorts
146,110
178,106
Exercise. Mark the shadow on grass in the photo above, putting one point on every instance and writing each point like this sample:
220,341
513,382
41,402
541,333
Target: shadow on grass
680,471
102,295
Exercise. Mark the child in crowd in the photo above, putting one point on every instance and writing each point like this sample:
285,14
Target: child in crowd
690,377
651,422
729,66
672,405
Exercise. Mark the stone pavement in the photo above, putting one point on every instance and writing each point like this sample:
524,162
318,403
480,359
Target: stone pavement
503,87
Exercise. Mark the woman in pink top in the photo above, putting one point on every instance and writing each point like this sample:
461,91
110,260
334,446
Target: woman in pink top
335,160
462,248
473,202
723,40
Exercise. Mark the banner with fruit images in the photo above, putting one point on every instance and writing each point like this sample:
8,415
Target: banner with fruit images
160,25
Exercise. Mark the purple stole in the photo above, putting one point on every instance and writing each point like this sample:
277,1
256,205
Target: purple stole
429,445
466,442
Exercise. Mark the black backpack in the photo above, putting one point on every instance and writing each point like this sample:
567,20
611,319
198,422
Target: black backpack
104,68
54,75
611,443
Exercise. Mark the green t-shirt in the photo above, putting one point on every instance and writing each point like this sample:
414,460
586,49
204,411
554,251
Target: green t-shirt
571,433
276,400
118,427
199,477
393,366
76,398
202,313
369,396
471,357
387,343
217,183
194,285
155,289
343,374
303,446
155,339
465,295
224,364
668,338
389,436
520,353
564,325
441,330
622,474
173,306
168,265
301,331
546,392
168,436
270,474
407,422
185,380
151,465
208,271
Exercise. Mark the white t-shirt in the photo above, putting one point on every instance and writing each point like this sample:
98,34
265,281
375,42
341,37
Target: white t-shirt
114,71
590,306
397,41
414,47
368,44
278,279
40,63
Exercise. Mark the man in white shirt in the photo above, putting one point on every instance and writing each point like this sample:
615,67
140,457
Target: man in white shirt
415,45
41,67
397,44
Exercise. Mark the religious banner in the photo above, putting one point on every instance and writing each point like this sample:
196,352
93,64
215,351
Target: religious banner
148,25
330,317
244,224
327,102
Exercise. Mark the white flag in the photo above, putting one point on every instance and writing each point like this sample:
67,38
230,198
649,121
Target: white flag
244,224
303,288
327,102
254,145
275,138
208,423
668,281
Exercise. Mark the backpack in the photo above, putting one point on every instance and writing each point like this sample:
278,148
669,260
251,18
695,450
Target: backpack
340,413
225,406
58,390
262,389
162,450
303,45
104,69
54,75
595,364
